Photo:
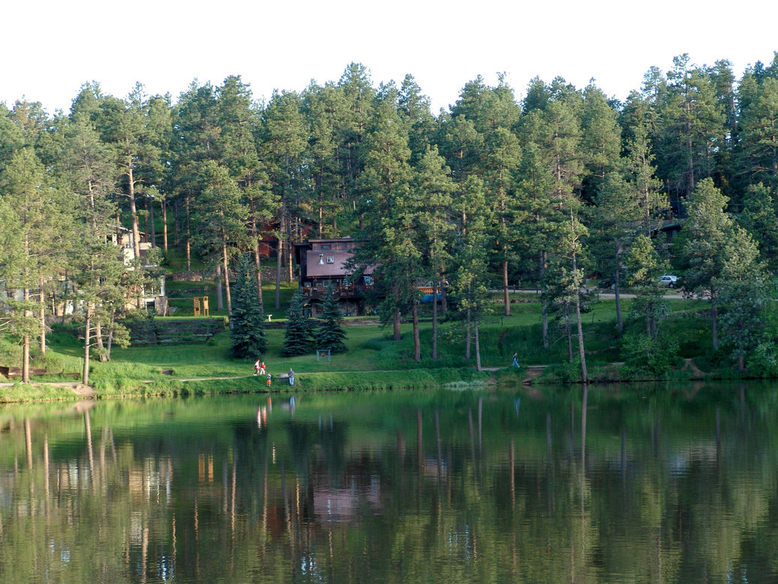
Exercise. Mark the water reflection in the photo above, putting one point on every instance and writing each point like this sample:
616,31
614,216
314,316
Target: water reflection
580,485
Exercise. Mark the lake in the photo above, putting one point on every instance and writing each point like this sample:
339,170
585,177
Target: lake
651,484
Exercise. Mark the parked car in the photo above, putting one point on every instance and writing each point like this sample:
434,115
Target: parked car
669,280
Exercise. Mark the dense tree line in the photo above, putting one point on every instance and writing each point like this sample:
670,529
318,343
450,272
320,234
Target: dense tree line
494,192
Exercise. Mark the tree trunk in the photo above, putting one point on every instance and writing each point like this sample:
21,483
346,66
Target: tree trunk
435,321
164,225
110,341
99,341
153,229
133,211
714,324
506,297
543,302
219,289
226,268
477,344
188,236
43,321
280,255
258,269
690,169
289,255
396,325
416,338
26,343
177,220
581,349
26,359
467,335
619,321
87,341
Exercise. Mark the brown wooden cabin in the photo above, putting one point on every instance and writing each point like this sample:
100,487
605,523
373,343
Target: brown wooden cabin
324,262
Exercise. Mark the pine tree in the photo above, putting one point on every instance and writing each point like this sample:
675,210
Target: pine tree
248,329
745,290
760,219
297,338
645,267
330,334
702,244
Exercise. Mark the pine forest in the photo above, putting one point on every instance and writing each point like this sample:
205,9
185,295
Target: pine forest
564,191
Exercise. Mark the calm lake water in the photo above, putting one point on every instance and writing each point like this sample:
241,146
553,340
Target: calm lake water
671,484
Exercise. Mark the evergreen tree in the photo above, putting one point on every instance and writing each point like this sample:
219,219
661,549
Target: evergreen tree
297,337
23,186
600,141
702,245
323,108
330,334
432,187
195,143
744,287
758,131
283,147
645,268
760,219
221,218
247,333
470,271
389,211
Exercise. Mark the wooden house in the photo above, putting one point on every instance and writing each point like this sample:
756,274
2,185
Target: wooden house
325,262
155,296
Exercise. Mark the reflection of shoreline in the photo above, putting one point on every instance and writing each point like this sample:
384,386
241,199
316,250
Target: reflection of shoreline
208,497
345,505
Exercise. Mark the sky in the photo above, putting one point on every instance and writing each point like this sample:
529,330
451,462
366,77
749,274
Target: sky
49,48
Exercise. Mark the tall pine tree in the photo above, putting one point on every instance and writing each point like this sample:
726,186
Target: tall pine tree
248,330
297,338
330,334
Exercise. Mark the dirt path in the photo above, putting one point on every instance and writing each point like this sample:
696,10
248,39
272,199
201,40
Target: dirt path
690,366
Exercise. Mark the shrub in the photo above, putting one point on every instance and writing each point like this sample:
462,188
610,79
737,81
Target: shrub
645,356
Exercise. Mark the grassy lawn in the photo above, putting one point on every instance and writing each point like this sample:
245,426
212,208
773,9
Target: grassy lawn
372,355
181,294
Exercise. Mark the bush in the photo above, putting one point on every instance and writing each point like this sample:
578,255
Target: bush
648,357
764,360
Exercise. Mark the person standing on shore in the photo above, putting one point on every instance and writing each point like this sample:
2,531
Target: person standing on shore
256,367
516,361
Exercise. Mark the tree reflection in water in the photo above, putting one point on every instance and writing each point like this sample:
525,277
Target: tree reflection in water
588,485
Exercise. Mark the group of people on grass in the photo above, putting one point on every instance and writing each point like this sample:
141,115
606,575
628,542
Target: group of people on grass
259,369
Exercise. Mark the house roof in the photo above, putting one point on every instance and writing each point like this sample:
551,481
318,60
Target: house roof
329,263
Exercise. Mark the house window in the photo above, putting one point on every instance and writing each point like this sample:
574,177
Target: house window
330,259
325,246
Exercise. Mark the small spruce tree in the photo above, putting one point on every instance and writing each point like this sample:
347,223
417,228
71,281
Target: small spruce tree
297,338
248,328
330,333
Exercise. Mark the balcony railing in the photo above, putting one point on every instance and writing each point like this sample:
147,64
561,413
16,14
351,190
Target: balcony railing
341,291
